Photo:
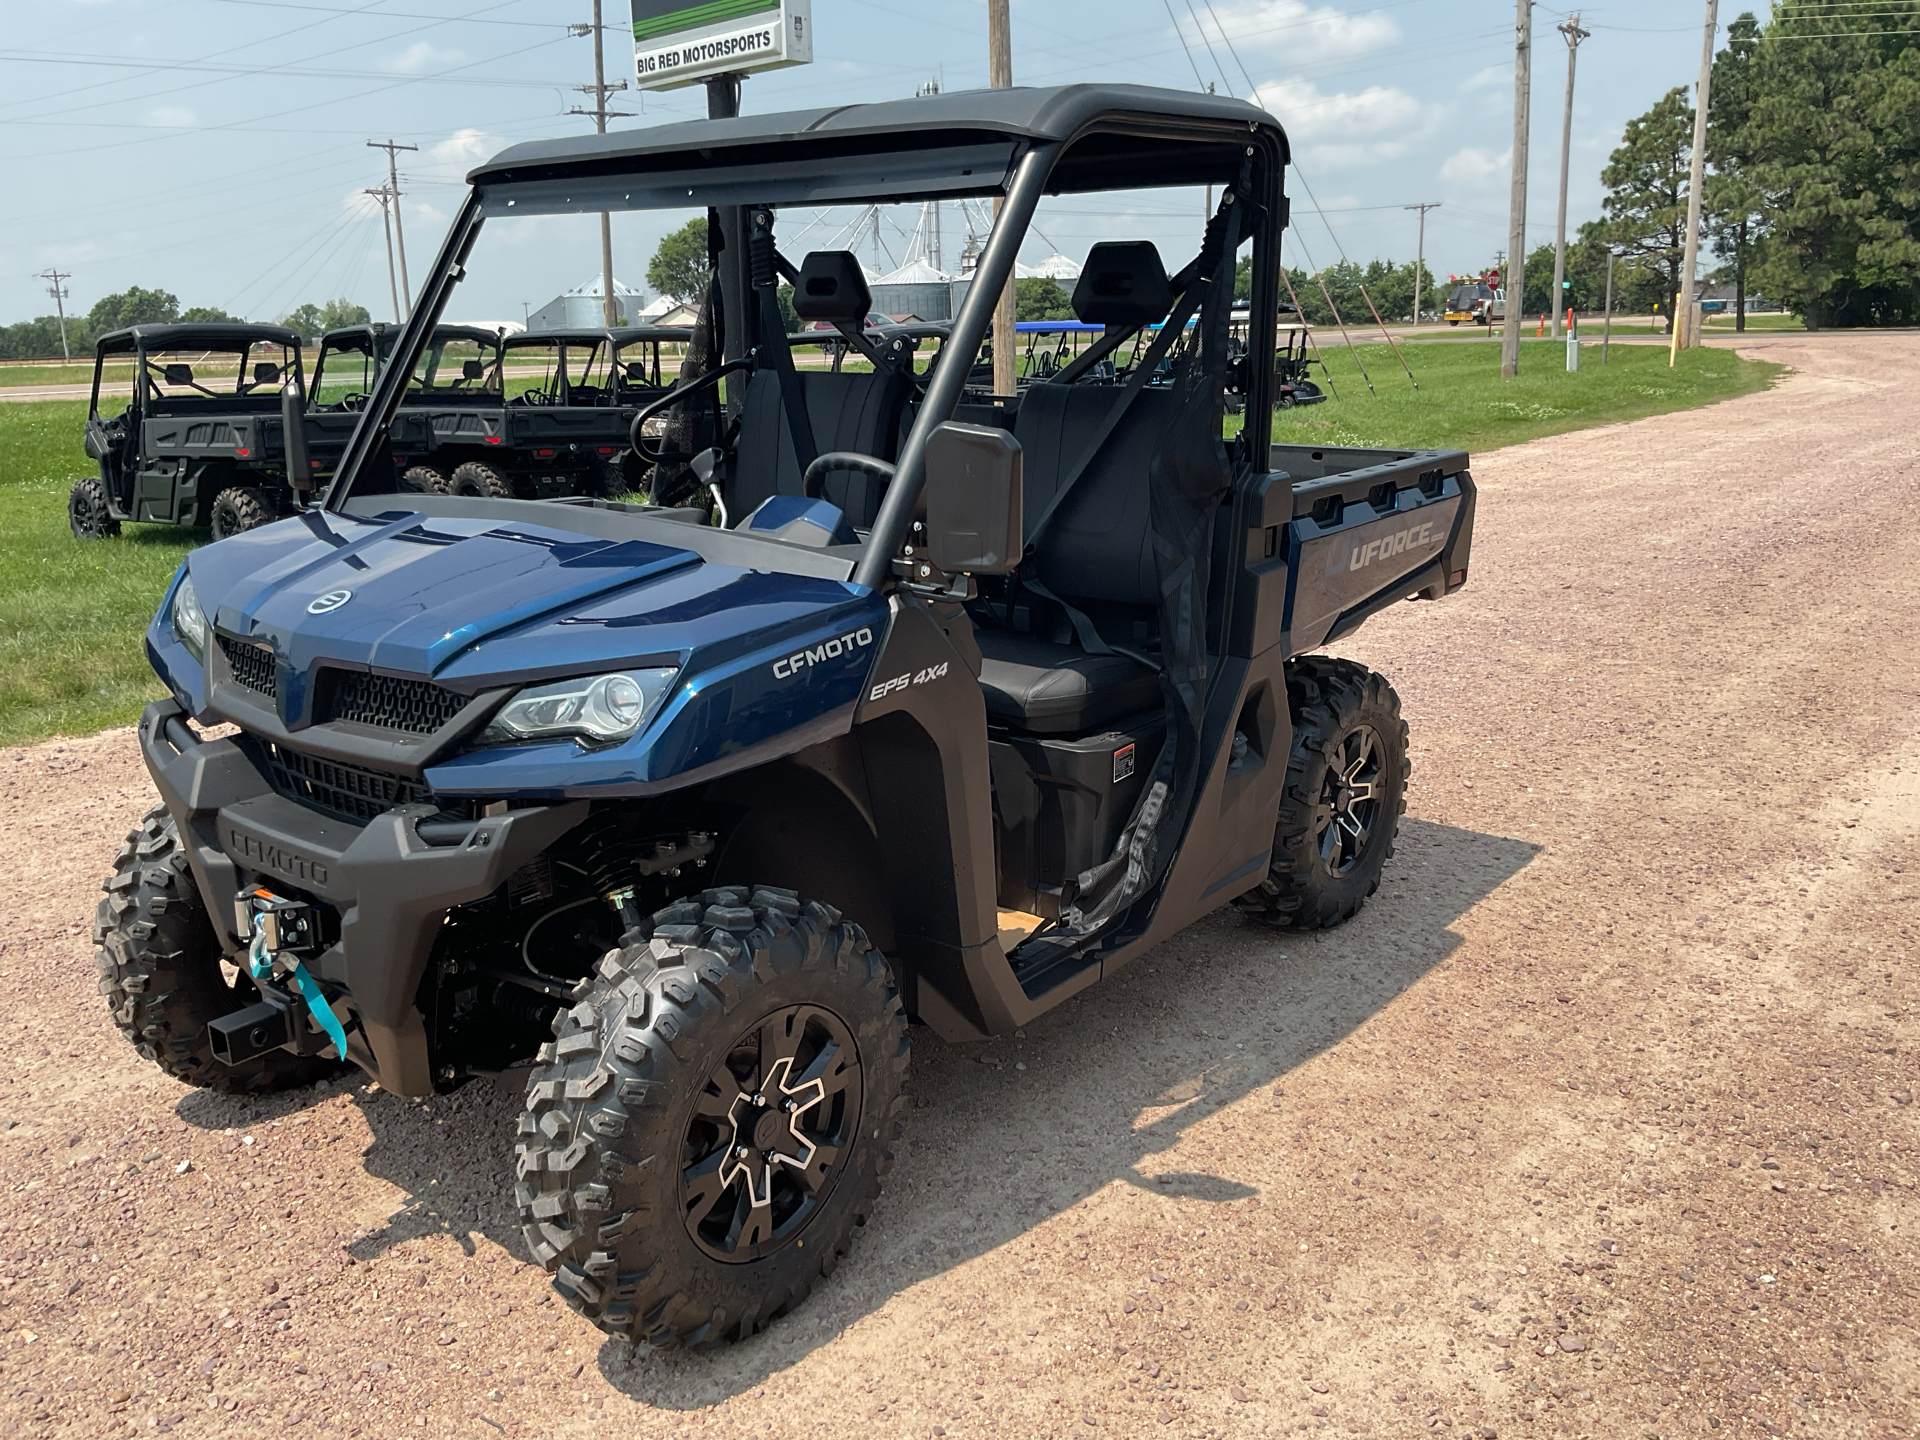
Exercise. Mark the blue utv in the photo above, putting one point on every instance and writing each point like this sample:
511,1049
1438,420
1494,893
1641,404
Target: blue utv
900,702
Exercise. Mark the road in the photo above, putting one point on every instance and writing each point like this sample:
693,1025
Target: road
1598,1121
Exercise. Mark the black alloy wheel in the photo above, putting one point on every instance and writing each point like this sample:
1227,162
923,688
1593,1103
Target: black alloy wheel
1350,800
762,1148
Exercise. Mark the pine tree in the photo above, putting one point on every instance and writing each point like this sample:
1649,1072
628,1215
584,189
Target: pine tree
1734,217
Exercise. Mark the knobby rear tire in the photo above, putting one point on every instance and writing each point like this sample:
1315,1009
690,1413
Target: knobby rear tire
1330,700
479,479
237,509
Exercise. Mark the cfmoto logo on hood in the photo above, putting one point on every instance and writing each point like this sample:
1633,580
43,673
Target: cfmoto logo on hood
332,600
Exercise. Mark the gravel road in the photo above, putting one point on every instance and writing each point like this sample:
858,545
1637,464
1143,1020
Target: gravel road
1599,1121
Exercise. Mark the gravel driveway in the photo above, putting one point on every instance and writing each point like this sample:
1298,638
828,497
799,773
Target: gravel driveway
1599,1121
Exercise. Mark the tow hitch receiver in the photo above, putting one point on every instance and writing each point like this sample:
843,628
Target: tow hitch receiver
285,933
237,1038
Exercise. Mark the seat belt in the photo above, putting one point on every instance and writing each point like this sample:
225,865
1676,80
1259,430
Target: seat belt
774,350
1174,327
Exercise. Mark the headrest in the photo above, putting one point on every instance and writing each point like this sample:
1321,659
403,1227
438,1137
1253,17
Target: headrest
1123,283
832,287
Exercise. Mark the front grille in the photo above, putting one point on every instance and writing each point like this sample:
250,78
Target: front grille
252,665
349,792
418,707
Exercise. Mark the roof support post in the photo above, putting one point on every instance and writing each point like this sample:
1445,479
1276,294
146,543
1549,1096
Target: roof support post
956,360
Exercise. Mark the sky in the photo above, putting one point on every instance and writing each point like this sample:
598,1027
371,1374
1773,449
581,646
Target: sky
217,148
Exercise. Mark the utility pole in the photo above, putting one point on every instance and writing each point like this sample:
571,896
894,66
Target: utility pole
53,278
1695,179
1515,277
1571,29
1000,77
1420,256
599,90
383,195
399,231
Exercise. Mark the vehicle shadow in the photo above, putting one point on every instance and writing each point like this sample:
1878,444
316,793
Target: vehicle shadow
1001,1136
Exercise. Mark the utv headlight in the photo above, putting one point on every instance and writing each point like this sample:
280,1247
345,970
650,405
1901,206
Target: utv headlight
190,621
598,709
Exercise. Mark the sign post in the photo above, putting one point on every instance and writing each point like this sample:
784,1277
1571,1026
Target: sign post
682,42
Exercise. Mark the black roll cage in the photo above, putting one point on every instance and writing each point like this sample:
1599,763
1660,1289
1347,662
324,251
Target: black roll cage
1034,162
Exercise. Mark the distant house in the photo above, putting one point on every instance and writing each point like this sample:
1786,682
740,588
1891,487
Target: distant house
672,312
581,307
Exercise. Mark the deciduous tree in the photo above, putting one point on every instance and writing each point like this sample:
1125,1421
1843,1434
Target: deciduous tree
679,267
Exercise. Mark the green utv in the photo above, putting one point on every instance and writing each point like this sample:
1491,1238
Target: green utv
925,703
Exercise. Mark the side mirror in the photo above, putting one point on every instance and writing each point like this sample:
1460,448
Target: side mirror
266,373
471,370
293,441
976,521
636,372
178,374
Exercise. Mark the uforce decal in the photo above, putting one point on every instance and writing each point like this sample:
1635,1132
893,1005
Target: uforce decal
1358,557
788,666
900,682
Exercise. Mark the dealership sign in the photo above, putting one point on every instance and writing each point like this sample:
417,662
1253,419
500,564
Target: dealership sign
676,42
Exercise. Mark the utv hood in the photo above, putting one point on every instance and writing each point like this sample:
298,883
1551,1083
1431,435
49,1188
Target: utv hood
477,605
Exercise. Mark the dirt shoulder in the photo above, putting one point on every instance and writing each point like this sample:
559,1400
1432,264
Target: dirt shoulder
1598,1121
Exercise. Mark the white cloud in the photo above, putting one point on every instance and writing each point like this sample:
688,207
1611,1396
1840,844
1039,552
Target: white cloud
1494,77
1298,31
170,115
420,57
451,158
1308,114
1475,165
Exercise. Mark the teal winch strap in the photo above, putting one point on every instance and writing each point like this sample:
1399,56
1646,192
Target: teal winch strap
323,1012
260,962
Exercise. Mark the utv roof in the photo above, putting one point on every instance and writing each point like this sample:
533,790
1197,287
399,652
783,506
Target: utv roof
959,142
225,336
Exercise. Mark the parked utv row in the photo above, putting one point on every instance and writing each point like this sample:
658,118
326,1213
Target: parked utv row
202,441
929,705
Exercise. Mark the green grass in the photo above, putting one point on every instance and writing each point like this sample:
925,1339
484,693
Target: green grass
72,660
1463,403
76,374
1724,323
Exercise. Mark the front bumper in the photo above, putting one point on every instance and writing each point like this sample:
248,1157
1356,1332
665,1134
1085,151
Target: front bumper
390,886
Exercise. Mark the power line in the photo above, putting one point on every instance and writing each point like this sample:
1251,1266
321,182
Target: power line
1198,82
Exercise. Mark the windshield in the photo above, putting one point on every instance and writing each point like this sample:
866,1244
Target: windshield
343,373
456,365
832,352
189,373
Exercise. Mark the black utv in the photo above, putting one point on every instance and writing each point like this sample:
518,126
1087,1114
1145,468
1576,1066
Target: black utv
971,700
536,415
200,443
